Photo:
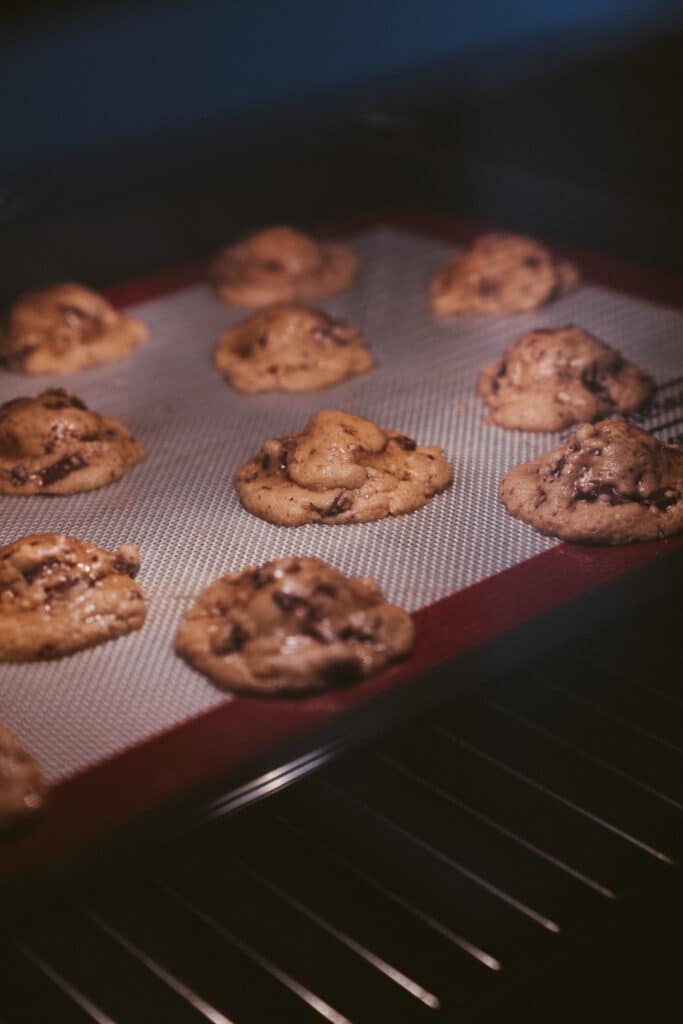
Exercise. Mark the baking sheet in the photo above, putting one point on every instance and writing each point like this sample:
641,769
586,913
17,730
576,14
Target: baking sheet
179,505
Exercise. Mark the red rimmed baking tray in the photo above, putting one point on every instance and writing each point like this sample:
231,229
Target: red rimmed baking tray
126,727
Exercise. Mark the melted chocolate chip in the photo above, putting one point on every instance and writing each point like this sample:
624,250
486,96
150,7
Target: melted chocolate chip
607,491
60,588
19,474
290,602
40,569
593,379
500,373
663,499
328,589
532,262
58,398
406,443
273,265
59,470
342,503
260,579
125,567
244,350
228,638
558,467
288,445
262,340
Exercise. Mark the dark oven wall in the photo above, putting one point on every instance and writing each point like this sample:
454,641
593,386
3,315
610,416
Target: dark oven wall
137,136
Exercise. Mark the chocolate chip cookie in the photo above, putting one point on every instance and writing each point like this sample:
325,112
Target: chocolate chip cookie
66,328
555,377
501,273
22,786
290,347
292,625
340,469
53,444
59,594
280,264
609,483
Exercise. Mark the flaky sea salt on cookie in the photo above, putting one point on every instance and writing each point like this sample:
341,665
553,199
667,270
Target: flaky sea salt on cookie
66,328
341,468
280,264
59,594
501,273
290,347
552,378
609,483
291,626
54,444
22,786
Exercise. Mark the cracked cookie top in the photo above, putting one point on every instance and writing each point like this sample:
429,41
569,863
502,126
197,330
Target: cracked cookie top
53,444
66,328
501,273
290,347
22,786
552,378
292,625
59,594
609,483
280,264
341,468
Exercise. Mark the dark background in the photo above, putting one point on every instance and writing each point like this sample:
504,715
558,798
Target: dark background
135,136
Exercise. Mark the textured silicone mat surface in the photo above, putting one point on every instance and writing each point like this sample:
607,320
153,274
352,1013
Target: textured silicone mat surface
179,505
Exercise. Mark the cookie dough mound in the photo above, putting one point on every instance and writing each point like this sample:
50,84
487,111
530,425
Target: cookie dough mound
340,469
552,378
66,328
22,786
290,347
280,264
292,625
609,483
59,594
54,444
500,273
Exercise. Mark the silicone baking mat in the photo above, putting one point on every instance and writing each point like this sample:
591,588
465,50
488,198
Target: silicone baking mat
180,508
